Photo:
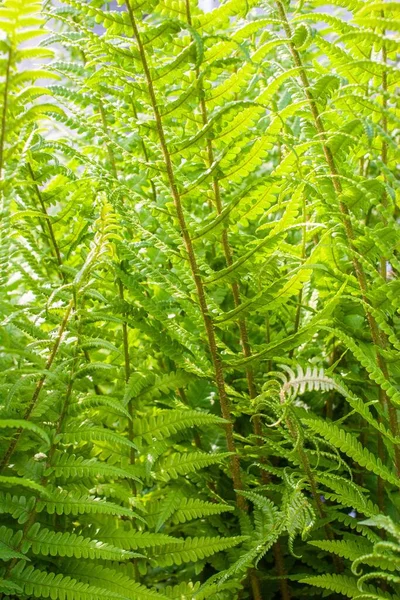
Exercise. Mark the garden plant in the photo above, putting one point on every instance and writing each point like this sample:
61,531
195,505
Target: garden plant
200,297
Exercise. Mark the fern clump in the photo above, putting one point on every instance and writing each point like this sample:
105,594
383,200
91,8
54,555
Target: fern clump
199,301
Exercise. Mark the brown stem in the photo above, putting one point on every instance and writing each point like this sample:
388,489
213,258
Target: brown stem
127,369
329,402
243,331
255,584
208,324
48,221
4,113
56,249
358,268
109,149
38,388
125,338
44,480
268,341
305,464
196,436
127,366
281,571
307,469
383,272
145,154
384,151
381,483
303,255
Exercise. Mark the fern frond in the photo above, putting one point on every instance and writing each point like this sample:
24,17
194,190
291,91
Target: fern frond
127,538
348,444
345,548
169,422
194,549
52,543
71,466
63,502
194,508
341,584
178,464
58,587
114,581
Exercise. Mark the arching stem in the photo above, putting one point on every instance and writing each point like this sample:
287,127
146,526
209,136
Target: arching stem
208,324
358,268
13,444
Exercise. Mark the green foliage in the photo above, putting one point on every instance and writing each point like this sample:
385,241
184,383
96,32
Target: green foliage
199,340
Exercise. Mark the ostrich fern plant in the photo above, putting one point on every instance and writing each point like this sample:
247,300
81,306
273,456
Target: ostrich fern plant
199,303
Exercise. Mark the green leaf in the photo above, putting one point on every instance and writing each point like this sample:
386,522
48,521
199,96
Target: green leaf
25,425
347,443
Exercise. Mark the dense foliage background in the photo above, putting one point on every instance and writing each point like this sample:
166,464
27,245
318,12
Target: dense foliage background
200,300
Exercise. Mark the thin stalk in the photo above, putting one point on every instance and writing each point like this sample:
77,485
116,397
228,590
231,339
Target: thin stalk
208,324
127,370
56,249
281,571
358,268
279,562
303,255
4,112
127,366
268,341
125,333
181,392
383,269
45,479
307,470
3,204
243,331
380,483
384,151
329,402
196,436
145,153
120,284
305,464
11,448
255,584
109,149
48,221
242,325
